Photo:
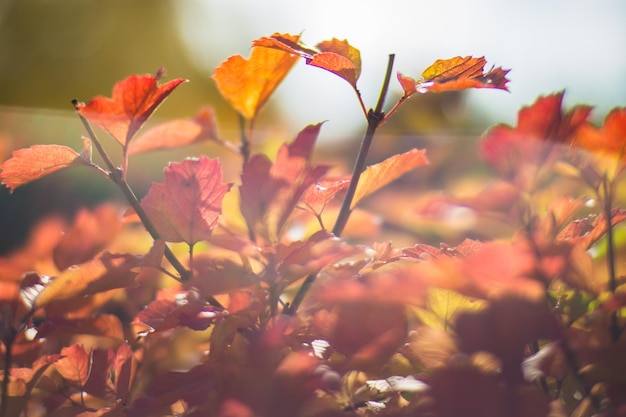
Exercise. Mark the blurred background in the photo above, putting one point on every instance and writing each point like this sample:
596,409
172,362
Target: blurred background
52,51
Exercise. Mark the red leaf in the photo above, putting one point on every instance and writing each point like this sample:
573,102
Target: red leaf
32,163
75,364
318,195
186,207
177,308
123,370
462,269
458,73
133,102
99,382
177,133
539,126
378,175
609,139
302,258
336,56
247,84
269,192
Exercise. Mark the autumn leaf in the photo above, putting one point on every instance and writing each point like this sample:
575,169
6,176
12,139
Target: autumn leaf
104,273
99,383
512,269
270,191
378,175
539,127
177,133
32,163
187,205
443,306
458,73
247,84
123,370
177,308
21,382
609,140
335,56
302,258
133,102
75,364
318,195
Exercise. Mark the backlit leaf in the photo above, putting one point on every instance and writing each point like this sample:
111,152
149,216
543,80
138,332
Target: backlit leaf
247,84
187,205
458,73
177,133
107,272
32,163
99,382
443,306
318,195
302,258
607,140
539,126
123,370
378,175
75,364
429,347
133,101
270,191
336,56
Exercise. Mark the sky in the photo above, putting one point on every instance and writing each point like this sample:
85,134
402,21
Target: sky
549,45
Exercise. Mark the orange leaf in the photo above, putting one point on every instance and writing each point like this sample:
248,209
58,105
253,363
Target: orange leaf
177,133
458,73
335,56
98,275
36,162
75,364
318,195
186,207
378,175
247,84
133,102
609,139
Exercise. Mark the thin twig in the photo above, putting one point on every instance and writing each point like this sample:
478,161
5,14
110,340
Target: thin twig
8,340
116,177
610,254
374,117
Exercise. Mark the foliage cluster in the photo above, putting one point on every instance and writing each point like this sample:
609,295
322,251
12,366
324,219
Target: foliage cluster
273,312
